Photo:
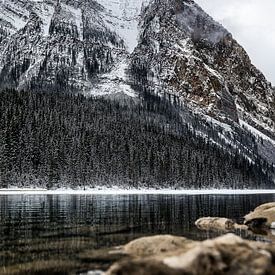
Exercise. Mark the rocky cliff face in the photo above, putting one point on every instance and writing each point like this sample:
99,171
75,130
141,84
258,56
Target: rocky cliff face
182,50
124,47
56,45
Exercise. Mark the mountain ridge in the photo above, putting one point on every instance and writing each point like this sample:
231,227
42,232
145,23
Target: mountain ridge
65,46
212,69
135,50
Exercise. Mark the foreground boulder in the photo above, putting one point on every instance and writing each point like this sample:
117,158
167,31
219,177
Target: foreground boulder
143,267
228,254
262,216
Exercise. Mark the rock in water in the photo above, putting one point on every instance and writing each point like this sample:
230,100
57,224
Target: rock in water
218,224
212,223
262,216
156,245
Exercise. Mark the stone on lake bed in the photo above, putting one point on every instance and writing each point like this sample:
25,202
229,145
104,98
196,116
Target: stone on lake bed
148,246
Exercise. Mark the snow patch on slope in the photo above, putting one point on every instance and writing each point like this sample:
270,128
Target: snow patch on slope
13,15
74,16
45,12
122,17
114,82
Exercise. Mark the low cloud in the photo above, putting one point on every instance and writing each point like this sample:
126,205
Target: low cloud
252,24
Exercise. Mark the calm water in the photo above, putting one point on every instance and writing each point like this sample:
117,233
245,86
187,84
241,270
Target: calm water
67,234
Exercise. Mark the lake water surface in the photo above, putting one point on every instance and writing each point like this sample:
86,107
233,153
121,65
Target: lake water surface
68,234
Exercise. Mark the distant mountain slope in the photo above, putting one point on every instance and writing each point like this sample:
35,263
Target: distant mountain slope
58,140
133,50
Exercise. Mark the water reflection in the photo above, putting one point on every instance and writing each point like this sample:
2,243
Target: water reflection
38,230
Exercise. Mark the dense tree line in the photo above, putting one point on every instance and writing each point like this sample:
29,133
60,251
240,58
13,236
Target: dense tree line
55,139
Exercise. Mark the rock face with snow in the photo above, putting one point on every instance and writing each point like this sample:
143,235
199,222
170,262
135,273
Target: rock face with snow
182,50
111,47
60,45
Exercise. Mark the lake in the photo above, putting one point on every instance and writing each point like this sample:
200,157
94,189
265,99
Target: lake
70,234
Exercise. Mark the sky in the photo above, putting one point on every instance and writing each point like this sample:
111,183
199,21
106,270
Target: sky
252,23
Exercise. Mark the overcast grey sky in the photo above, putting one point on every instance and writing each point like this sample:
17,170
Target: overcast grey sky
252,23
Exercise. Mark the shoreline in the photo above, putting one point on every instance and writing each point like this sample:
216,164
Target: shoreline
135,192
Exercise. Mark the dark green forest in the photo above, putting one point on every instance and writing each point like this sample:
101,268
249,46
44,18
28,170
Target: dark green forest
58,140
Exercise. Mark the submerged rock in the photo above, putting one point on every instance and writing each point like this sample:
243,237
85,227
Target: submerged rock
156,245
262,216
214,223
218,224
228,254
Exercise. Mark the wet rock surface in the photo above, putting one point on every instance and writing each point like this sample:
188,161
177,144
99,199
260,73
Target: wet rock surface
219,224
260,220
209,223
228,254
157,245
262,217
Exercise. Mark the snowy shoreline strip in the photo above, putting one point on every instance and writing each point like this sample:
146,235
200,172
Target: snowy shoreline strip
134,192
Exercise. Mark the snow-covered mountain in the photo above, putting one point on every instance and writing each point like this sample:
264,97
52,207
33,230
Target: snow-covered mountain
63,45
109,47
184,52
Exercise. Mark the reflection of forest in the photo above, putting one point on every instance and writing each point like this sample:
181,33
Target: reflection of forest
64,232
